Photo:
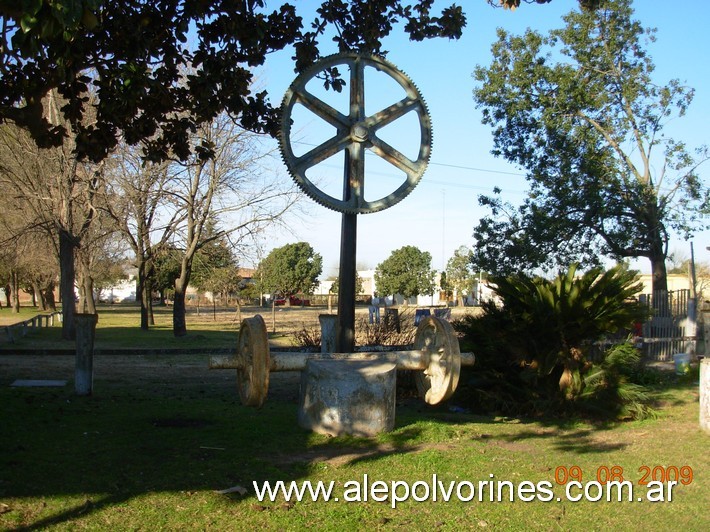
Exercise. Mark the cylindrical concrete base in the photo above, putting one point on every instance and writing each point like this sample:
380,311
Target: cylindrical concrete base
705,394
84,367
355,397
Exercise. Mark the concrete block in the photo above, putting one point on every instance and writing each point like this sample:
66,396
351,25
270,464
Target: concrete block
355,397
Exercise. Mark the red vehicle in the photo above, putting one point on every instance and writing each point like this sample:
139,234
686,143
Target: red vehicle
293,301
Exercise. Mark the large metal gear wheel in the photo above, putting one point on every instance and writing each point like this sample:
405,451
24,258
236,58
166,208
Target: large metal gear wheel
355,132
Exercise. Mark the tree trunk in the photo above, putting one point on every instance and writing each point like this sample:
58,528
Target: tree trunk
81,306
239,311
143,293
15,280
181,284
8,291
140,299
145,305
66,284
179,325
48,298
658,272
87,283
151,317
38,297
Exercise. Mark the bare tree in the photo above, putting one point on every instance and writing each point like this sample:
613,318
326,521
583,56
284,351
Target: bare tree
24,261
226,180
141,204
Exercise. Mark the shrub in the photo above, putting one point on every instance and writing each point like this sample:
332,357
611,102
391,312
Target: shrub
533,351
608,388
366,334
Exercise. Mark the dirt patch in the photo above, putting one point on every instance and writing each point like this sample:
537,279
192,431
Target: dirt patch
177,375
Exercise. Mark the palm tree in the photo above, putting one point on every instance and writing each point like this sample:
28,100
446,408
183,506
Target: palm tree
558,321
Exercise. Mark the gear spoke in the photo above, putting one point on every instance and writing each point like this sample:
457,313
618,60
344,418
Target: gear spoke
356,171
321,109
394,157
357,91
390,114
321,152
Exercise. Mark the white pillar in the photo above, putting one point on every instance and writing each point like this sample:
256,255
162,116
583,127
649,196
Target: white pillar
705,394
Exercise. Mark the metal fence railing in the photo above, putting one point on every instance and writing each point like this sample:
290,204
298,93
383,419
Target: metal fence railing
664,334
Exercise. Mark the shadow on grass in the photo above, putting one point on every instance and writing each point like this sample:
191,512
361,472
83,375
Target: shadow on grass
87,507
581,441
87,454
121,444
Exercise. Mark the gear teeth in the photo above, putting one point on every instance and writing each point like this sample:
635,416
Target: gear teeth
290,99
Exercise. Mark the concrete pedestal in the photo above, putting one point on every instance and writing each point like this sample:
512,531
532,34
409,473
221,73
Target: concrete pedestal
705,394
355,397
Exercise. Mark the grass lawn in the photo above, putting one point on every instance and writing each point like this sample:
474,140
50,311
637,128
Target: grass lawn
152,451
119,328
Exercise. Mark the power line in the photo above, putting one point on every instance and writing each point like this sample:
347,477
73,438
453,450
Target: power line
439,182
474,169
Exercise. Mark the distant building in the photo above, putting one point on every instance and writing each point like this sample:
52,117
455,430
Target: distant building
369,289
124,291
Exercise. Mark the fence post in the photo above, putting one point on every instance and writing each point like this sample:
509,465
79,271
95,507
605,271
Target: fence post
84,368
328,332
691,328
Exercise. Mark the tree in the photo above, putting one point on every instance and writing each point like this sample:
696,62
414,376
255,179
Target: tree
54,192
223,282
166,268
561,318
10,271
215,267
539,351
580,111
407,271
101,261
133,55
228,181
335,287
40,270
143,212
289,270
459,271
514,4
213,256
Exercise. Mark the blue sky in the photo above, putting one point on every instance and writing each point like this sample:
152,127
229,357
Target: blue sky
439,215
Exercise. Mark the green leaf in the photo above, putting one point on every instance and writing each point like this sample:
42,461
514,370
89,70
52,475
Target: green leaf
27,23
